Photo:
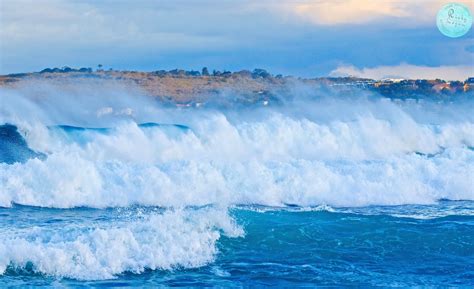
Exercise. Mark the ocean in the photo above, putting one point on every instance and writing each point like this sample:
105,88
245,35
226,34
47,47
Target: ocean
330,191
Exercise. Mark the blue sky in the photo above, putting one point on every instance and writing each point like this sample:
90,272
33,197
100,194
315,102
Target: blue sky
372,38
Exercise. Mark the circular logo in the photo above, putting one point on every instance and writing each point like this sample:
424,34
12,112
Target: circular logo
454,20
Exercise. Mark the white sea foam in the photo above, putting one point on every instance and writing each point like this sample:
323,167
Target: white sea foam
177,239
365,152
317,153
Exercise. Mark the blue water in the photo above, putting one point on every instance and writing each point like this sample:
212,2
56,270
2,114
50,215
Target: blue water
294,247
359,193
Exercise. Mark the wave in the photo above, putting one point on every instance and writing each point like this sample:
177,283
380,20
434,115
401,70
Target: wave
275,161
168,240
74,151
89,244
310,156
13,147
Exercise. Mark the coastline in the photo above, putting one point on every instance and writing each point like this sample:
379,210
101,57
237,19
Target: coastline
186,88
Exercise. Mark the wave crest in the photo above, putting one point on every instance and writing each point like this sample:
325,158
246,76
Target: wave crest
170,240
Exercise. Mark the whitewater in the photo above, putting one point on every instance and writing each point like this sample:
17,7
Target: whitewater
108,185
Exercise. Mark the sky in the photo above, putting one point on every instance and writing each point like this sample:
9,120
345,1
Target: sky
307,38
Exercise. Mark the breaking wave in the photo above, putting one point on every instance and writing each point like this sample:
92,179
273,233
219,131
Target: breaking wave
169,240
345,152
192,165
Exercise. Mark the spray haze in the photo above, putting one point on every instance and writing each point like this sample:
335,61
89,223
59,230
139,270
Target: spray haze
312,147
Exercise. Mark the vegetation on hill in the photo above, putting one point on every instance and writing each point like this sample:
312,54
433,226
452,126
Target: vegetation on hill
191,87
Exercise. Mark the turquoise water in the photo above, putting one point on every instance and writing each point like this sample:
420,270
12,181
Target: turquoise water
373,246
337,192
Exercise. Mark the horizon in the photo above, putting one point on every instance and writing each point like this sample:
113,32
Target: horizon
212,72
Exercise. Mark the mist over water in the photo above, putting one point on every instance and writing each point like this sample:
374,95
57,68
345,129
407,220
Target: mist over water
307,152
183,169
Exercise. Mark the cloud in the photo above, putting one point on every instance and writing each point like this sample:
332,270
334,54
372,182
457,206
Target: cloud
298,37
38,34
340,12
90,24
408,71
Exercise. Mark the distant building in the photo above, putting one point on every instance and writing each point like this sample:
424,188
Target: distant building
468,84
